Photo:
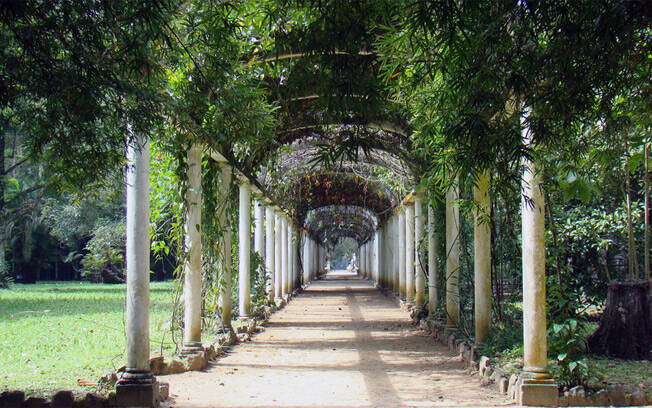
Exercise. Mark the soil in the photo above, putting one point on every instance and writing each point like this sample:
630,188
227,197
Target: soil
340,343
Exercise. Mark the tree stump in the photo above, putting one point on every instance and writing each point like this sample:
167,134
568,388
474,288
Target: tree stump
625,329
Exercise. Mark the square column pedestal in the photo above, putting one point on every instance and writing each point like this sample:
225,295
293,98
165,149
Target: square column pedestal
137,390
537,392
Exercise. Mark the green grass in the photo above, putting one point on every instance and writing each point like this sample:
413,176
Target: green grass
54,334
615,371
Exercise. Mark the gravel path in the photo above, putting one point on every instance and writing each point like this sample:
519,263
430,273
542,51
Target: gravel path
340,343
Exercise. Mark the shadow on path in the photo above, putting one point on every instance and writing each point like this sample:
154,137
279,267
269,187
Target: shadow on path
340,343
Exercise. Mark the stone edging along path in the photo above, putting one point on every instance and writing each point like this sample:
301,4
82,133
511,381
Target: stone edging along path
158,364
616,395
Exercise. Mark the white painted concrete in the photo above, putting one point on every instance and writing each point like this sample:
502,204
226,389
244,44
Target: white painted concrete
482,258
270,252
278,254
534,267
409,252
137,255
420,278
452,257
225,267
433,254
244,250
192,268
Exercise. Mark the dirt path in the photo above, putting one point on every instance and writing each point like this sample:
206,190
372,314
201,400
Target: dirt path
341,343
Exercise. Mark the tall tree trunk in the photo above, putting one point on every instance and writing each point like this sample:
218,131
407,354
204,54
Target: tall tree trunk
647,216
3,220
631,253
625,329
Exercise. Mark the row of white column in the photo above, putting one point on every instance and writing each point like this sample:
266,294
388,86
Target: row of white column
400,245
278,241
276,238
370,257
403,253
393,258
399,248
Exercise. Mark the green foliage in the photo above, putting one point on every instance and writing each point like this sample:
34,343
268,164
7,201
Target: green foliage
259,282
75,74
342,252
104,261
5,279
506,335
567,349
567,334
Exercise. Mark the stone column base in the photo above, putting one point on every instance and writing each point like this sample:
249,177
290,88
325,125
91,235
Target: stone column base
538,392
191,348
137,389
451,328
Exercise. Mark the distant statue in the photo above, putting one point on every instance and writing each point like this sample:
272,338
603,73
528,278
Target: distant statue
352,265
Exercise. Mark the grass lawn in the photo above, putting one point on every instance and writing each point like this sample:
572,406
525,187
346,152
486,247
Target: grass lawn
615,371
54,335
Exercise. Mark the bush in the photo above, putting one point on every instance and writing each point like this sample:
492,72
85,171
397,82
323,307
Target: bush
104,260
567,334
5,279
259,281
506,336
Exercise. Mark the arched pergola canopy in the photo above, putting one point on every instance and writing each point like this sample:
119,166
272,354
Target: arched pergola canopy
359,184
330,223
341,141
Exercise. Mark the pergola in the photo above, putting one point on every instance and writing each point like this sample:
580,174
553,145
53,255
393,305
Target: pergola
342,166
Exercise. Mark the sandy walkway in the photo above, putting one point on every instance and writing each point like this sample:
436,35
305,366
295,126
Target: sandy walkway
341,343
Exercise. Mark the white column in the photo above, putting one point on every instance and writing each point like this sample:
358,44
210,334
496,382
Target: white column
259,228
278,254
270,252
367,264
534,269
482,258
322,258
370,257
452,258
537,388
401,253
313,259
311,256
284,256
306,258
137,260
420,266
315,255
136,386
244,250
192,268
363,267
293,258
389,250
409,252
386,258
377,255
433,270
225,295
397,253
380,255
